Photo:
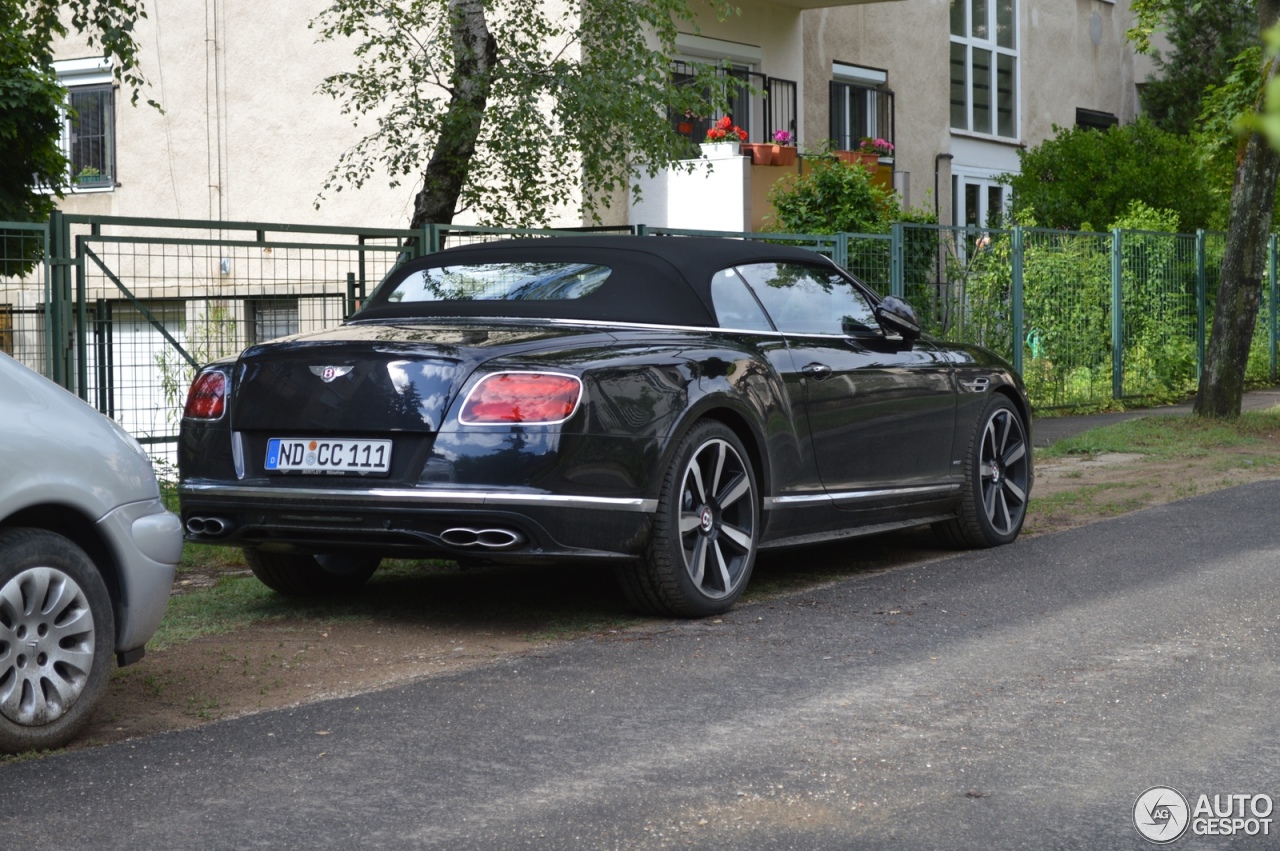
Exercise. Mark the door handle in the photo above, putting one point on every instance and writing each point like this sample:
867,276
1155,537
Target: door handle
816,371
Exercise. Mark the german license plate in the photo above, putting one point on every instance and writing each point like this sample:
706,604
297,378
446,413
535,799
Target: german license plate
328,455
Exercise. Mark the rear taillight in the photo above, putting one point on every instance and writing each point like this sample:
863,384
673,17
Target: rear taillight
207,398
522,398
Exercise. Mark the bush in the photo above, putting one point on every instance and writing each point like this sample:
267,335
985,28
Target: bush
1083,179
834,197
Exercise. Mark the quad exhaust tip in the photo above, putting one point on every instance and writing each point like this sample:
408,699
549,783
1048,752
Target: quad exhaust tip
213,527
490,539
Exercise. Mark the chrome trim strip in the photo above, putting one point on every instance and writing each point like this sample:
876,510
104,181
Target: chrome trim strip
705,329
444,497
237,453
597,323
795,501
852,496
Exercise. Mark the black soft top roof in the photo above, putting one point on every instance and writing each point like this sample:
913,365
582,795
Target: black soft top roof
659,280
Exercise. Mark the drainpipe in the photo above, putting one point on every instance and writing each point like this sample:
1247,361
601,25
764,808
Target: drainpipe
937,211
937,199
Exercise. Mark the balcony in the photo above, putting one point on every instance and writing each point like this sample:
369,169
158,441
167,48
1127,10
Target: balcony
728,194
824,4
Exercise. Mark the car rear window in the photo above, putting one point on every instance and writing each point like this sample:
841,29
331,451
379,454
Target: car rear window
529,281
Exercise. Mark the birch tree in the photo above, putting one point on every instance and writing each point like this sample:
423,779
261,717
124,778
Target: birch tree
511,109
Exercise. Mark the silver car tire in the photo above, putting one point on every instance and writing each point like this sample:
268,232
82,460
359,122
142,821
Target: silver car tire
57,637
302,575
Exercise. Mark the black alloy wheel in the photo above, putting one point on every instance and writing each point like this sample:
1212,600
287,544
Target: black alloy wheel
703,544
997,480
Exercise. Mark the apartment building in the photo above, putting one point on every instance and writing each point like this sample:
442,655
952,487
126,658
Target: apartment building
958,86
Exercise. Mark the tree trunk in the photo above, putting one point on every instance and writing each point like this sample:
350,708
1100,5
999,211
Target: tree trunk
475,56
1244,263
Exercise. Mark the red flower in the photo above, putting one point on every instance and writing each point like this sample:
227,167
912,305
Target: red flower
725,130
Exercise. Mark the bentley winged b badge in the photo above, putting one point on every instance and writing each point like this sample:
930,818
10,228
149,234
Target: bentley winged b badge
329,373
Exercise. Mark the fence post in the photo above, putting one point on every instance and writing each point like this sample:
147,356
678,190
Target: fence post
429,239
1202,285
57,294
1117,317
102,356
82,330
1016,294
897,261
1271,303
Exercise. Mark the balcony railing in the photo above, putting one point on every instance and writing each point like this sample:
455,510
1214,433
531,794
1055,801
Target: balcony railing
759,104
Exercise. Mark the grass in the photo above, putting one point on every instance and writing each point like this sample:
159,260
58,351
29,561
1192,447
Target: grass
1170,436
538,603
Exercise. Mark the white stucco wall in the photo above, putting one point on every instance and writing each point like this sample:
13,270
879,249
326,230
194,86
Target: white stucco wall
244,135
714,196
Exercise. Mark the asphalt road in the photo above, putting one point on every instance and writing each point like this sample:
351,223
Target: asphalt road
1016,698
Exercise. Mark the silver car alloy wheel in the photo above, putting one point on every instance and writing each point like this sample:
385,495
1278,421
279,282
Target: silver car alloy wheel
716,518
1004,470
46,645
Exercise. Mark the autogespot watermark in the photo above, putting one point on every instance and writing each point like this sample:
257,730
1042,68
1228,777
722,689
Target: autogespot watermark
1162,814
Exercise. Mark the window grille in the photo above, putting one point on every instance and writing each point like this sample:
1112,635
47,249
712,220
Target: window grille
859,112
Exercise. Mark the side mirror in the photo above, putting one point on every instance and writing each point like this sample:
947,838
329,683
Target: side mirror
896,316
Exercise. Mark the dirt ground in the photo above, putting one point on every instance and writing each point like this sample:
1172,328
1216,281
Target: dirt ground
281,663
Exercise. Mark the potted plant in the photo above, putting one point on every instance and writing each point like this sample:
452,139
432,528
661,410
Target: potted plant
90,176
783,148
877,150
724,139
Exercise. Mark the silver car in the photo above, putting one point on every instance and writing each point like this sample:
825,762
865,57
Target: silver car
87,556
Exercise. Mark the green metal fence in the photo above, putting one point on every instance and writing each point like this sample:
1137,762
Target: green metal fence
24,276
133,306
1086,317
122,310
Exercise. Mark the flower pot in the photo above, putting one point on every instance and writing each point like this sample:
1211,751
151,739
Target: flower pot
761,154
721,150
783,155
867,160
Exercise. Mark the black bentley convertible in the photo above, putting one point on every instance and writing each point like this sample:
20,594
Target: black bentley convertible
668,405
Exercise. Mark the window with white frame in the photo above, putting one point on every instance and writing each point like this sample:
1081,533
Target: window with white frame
984,67
980,200
89,126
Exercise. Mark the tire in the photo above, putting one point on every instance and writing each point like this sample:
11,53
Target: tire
300,575
702,546
997,481
57,637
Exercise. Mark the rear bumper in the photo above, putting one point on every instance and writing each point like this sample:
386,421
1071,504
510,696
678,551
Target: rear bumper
506,525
